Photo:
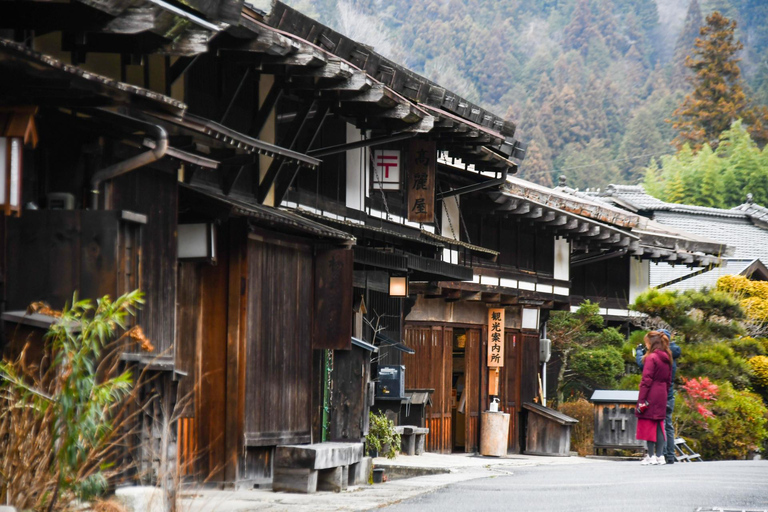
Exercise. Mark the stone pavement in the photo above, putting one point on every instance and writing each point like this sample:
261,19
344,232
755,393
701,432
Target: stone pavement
445,469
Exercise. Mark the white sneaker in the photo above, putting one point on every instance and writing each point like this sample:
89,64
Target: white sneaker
646,461
655,461
661,460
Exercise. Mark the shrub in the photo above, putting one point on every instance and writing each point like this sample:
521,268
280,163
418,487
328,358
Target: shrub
738,425
583,433
595,368
759,365
630,382
381,435
718,362
611,337
747,347
59,421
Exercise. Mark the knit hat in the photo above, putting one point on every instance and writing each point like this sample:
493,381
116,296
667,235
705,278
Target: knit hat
666,333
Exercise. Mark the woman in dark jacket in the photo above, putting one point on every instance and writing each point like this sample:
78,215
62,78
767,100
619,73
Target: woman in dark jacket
652,401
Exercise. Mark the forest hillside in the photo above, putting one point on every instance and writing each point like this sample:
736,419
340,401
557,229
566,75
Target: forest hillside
590,83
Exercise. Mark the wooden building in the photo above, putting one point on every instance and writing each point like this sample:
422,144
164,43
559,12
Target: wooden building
267,181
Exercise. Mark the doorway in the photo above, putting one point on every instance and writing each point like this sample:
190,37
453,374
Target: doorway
459,391
448,360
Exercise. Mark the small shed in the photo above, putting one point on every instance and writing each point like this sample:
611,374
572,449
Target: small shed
548,432
615,420
416,409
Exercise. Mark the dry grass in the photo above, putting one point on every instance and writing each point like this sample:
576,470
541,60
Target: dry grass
583,433
107,506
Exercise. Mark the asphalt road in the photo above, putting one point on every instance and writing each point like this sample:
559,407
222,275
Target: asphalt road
608,486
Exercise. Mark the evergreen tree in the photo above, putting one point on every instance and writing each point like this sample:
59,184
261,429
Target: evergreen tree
685,43
718,98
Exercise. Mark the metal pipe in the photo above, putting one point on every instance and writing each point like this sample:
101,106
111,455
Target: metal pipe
135,162
479,186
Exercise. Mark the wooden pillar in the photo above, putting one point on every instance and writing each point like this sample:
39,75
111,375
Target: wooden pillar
237,301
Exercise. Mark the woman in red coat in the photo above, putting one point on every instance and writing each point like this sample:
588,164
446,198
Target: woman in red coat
652,402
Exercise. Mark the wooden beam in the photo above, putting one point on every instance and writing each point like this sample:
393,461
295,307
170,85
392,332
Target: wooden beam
261,117
559,220
472,296
535,213
305,56
357,81
334,69
403,112
492,298
452,295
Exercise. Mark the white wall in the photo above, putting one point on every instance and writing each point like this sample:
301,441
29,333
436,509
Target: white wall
357,175
451,217
562,259
639,277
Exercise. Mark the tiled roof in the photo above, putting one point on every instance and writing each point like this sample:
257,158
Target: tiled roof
635,198
746,239
663,273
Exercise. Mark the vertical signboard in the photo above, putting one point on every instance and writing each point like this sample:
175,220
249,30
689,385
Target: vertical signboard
495,338
386,170
421,181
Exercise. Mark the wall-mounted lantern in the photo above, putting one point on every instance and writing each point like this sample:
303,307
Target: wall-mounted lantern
530,319
17,128
197,242
398,286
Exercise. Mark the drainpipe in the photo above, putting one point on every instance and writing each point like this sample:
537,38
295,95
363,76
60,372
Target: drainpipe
497,182
113,171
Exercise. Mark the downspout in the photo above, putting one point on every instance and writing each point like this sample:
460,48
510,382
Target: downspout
154,131
497,182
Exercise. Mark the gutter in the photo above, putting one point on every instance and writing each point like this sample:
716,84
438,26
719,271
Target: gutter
159,150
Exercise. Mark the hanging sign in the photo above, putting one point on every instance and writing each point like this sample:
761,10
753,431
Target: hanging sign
386,171
496,338
421,181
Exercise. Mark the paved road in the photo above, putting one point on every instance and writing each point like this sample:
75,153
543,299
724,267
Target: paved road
610,486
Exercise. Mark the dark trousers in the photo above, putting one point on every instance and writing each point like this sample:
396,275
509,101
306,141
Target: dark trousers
669,448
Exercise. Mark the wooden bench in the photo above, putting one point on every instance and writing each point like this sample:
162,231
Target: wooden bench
412,439
306,468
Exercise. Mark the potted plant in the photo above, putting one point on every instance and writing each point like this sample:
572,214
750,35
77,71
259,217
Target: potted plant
382,438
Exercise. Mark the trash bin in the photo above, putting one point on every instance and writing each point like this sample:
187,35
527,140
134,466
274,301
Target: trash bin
494,434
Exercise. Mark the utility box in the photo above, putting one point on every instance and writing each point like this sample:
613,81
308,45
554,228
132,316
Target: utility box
615,420
390,384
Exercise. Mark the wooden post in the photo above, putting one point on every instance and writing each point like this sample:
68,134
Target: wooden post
235,350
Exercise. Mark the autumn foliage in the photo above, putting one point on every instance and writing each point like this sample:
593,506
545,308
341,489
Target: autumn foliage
718,98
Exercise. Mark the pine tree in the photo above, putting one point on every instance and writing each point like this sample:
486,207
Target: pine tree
718,98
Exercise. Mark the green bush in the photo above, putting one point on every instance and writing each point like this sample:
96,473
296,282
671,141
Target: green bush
718,361
747,347
611,337
382,436
738,425
630,382
596,368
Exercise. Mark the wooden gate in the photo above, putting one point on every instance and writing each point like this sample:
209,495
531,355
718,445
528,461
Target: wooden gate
431,367
475,383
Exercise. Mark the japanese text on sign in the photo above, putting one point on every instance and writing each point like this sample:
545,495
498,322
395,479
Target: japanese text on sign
421,181
495,338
